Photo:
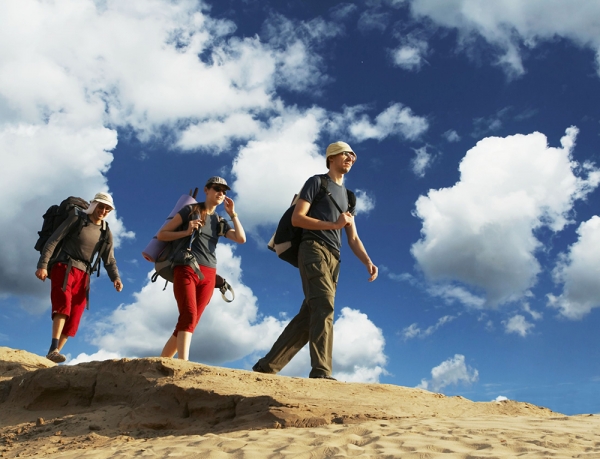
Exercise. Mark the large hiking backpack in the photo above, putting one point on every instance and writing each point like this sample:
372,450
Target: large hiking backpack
287,237
178,252
56,214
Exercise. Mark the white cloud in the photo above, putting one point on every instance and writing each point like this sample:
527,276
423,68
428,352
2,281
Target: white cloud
403,277
517,324
421,162
373,20
511,26
500,398
97,356
451,135
394,120
413,330
410,55
487,125
578,271
453,293
480,232
364,202
358,349
342,11
453,371
298,67
534,314
263,165
218,134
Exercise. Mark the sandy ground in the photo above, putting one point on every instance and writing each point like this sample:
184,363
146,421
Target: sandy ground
163,408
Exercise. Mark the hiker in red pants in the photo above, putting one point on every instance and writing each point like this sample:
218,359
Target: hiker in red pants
194,281
83,234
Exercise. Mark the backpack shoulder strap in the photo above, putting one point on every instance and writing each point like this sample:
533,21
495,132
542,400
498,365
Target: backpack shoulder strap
351,201
323,178
325,192
95,266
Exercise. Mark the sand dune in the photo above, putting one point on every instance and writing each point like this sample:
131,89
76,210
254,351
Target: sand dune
167,408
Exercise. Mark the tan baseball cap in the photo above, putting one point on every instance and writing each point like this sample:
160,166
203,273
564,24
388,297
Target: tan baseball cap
104,198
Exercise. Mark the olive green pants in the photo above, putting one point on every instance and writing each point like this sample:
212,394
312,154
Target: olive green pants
319,271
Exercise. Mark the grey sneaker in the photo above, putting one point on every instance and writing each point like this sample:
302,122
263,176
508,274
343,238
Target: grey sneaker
56,356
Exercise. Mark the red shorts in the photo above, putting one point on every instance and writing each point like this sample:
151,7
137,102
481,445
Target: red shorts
192,295
72,301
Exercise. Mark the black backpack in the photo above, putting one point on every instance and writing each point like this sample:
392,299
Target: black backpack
287,237
56,215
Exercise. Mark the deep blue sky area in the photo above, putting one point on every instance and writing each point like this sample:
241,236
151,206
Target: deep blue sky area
476,132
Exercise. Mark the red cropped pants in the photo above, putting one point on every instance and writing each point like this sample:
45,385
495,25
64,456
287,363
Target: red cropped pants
192,295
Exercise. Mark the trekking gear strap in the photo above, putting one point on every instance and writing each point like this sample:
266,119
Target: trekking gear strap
104,238
223,286
67,272
328,193
223,289
87,292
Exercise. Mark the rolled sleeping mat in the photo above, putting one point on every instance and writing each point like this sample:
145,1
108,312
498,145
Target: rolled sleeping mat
155,246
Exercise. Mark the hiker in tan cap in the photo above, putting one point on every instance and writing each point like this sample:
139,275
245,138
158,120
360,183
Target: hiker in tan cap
67,259
322,217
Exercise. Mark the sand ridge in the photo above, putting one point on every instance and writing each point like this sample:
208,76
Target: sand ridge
168,408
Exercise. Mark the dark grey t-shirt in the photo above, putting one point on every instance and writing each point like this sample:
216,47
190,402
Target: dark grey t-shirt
205,245
324,209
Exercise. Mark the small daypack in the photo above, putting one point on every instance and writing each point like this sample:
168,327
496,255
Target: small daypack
287,237
56,214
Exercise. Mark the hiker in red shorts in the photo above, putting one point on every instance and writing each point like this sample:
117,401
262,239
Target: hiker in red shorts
83,236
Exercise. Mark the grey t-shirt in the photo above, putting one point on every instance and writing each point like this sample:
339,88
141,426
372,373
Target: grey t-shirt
324,209
80,247
205,245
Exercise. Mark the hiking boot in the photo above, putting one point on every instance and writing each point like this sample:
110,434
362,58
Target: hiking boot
56,356
331,378
258,369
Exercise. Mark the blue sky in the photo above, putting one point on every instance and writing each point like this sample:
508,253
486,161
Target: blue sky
476,126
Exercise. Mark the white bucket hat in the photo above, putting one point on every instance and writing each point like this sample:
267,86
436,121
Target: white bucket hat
104,198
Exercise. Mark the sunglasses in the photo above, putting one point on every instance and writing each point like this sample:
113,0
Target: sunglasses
349,154
103,207
219,189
